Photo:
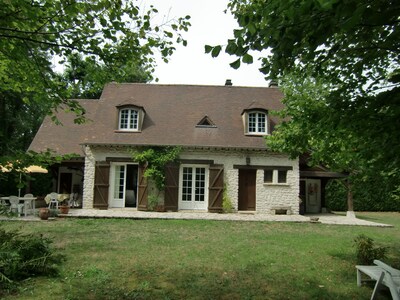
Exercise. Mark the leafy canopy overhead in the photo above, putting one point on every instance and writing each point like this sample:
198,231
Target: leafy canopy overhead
353,42
338,65
35,34
96,41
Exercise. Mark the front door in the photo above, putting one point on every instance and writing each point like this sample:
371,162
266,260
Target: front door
247,189
124,178
193,191
313,195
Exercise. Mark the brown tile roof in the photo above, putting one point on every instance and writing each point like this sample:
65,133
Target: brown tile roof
172,113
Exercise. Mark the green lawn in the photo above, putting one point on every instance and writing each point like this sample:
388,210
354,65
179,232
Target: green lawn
180,259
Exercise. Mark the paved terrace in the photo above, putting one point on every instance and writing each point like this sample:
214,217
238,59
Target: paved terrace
130,213
192,215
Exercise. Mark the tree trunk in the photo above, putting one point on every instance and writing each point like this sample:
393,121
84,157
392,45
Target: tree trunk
350,203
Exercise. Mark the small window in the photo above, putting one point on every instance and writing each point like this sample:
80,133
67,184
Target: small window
206,122
268,175
128,119
276,175
282,176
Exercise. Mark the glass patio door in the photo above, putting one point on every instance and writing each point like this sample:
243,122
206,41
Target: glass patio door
123,185
118,173
193,192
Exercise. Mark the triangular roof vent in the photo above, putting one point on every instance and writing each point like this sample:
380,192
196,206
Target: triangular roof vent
206,122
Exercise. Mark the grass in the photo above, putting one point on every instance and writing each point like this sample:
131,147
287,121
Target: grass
182,259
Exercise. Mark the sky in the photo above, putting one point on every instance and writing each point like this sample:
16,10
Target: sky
211,26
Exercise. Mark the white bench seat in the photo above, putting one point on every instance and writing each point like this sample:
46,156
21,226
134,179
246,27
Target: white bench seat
383,274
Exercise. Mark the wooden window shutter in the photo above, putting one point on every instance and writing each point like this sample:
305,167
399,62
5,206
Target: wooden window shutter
171,187
101,184
143,189
216,188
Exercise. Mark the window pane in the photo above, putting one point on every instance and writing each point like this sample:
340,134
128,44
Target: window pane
268,176
282,176
200,184
133,119
123,120
187,184
252,122
261,122
119,182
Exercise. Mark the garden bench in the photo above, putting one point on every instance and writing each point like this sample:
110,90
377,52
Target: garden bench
383,274
282,210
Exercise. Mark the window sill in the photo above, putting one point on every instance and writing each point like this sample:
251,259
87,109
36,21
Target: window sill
127,131
276,184
256,134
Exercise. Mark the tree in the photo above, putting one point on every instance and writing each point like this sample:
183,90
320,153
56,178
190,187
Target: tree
349,50
84,78
36,34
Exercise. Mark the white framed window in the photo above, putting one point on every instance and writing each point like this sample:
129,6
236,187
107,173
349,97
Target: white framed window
256,123
128,119
276,176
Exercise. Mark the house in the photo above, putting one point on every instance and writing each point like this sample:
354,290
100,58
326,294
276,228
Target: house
220,130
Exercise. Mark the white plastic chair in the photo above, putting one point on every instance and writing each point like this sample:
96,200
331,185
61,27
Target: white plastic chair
28,207
53,200
15,205
73,200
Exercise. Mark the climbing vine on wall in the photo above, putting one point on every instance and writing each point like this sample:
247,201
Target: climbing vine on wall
156,158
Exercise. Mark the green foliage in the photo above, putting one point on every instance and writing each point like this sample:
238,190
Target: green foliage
98,41
227,205
152,201
314,126
338,64
348,41
366,251
5,211
24,256
16,177
84,77
53,213
156,158
240,252
368,196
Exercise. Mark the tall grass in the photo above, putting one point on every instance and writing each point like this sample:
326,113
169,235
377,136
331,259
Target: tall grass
181,259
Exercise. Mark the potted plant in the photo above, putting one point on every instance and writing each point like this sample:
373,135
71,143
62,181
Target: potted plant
44,213
64,209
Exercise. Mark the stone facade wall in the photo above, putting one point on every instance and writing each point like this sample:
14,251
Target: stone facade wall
268,196
88,179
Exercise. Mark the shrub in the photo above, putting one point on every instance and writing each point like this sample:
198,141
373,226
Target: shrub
227,205
366,251
365,199
24,256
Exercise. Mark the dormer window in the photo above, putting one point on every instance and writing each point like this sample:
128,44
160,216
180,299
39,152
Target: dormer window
130,118
206,123
256,122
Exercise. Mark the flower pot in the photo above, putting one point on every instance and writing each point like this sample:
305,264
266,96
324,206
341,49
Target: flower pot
64,209
160,208
44,213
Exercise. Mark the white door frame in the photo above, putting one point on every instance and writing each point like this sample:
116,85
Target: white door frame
118,200
193,204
